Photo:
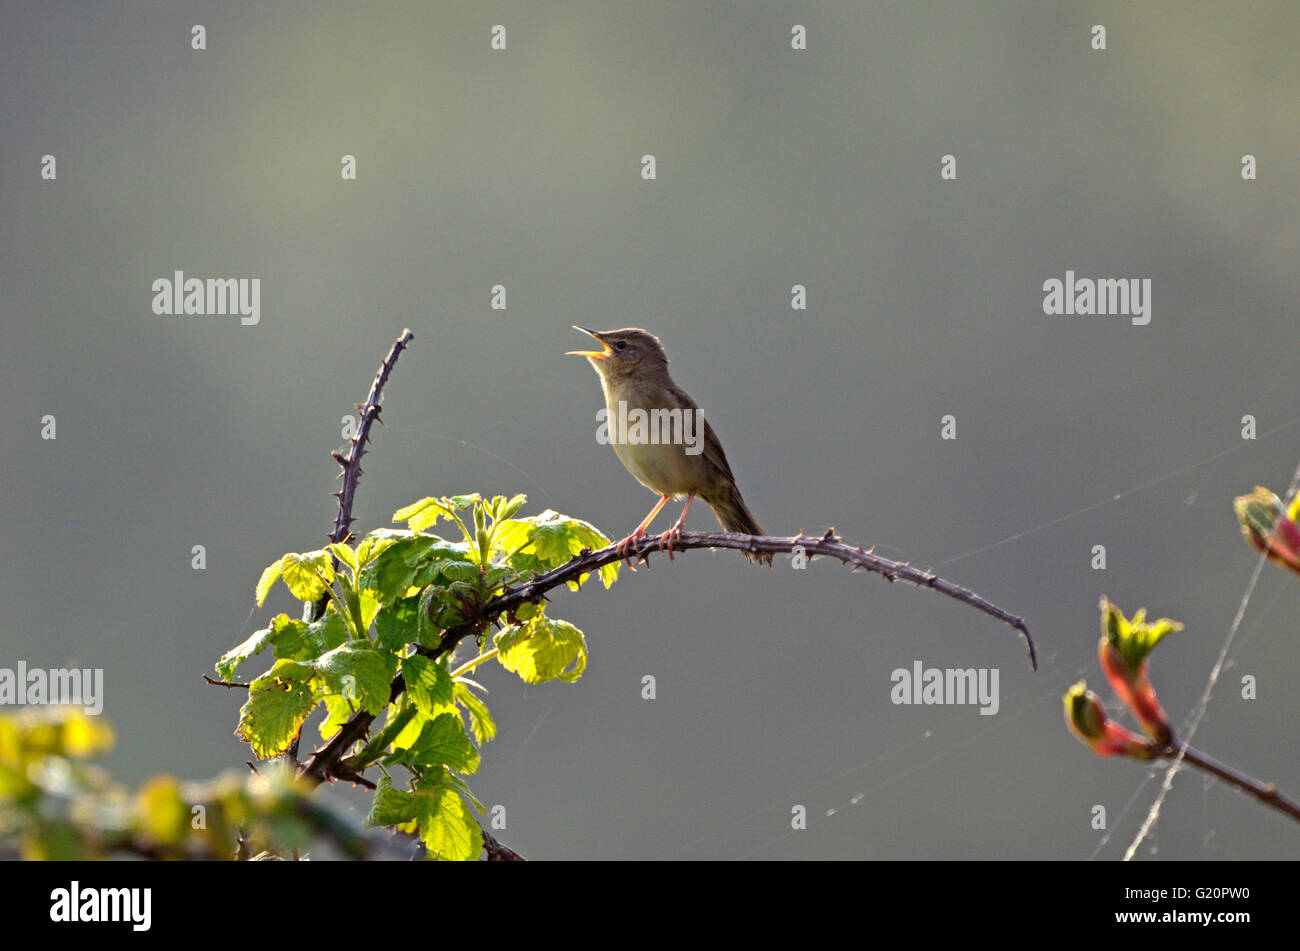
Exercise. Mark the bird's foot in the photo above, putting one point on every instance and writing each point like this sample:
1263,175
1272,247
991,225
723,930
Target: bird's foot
624,548
667,538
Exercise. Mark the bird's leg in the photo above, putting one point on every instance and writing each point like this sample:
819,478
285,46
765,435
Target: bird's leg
667,537
625,545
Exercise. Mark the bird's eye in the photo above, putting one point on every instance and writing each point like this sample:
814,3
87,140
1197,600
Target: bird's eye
621,345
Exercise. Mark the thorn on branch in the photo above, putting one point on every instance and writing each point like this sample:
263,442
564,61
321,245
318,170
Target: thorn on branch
224,683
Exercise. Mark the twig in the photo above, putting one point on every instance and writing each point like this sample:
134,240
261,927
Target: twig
1266,793
323,763
351,474
828,545
496,852
224,683
351,463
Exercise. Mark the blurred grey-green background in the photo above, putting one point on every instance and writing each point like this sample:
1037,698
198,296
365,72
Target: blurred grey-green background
775,167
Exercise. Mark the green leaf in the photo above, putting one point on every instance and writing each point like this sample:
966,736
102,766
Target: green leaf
442,742
1136,638
428,684
447,827
391,806
255,643
278,702
268,579
543,649
462,787
398,624
369,608
304,642
338,712
410,562
480,719
371,547
420,515
292,638
426,512
408,731
344,554
552,539
307,574
359,672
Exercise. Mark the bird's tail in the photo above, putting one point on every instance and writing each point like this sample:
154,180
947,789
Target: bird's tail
735,516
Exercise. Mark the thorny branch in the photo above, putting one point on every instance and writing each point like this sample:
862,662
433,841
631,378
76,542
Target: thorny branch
324,763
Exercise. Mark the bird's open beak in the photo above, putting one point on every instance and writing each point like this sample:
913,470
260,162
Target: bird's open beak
592,354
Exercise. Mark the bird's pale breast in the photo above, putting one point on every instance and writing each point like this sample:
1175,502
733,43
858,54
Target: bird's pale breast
662,467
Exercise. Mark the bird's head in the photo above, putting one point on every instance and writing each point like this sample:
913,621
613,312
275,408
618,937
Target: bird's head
626,352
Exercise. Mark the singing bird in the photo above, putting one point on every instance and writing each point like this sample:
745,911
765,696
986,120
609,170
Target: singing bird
633,371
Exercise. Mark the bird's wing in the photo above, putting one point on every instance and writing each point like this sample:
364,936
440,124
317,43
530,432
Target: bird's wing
712,445
713,451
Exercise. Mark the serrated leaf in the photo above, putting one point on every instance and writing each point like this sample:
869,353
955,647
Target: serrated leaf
442,742
255,643
360,672
398,624
543,649
269,576
371,547
307,575
428,684
278,702
462,787
420,515
369,602
553,539
391,806
480,718
303,642
436,806
343,553
447,827
409,562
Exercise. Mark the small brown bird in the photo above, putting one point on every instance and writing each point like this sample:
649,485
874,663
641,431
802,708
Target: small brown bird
641,402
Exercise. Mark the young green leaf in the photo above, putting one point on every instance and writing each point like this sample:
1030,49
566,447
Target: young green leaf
255,643
278,702
428,684
447,827
344,554
422,514
543,649
398,624
391,806
480,719
307,574
360,672
442,742
269,576
553,539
